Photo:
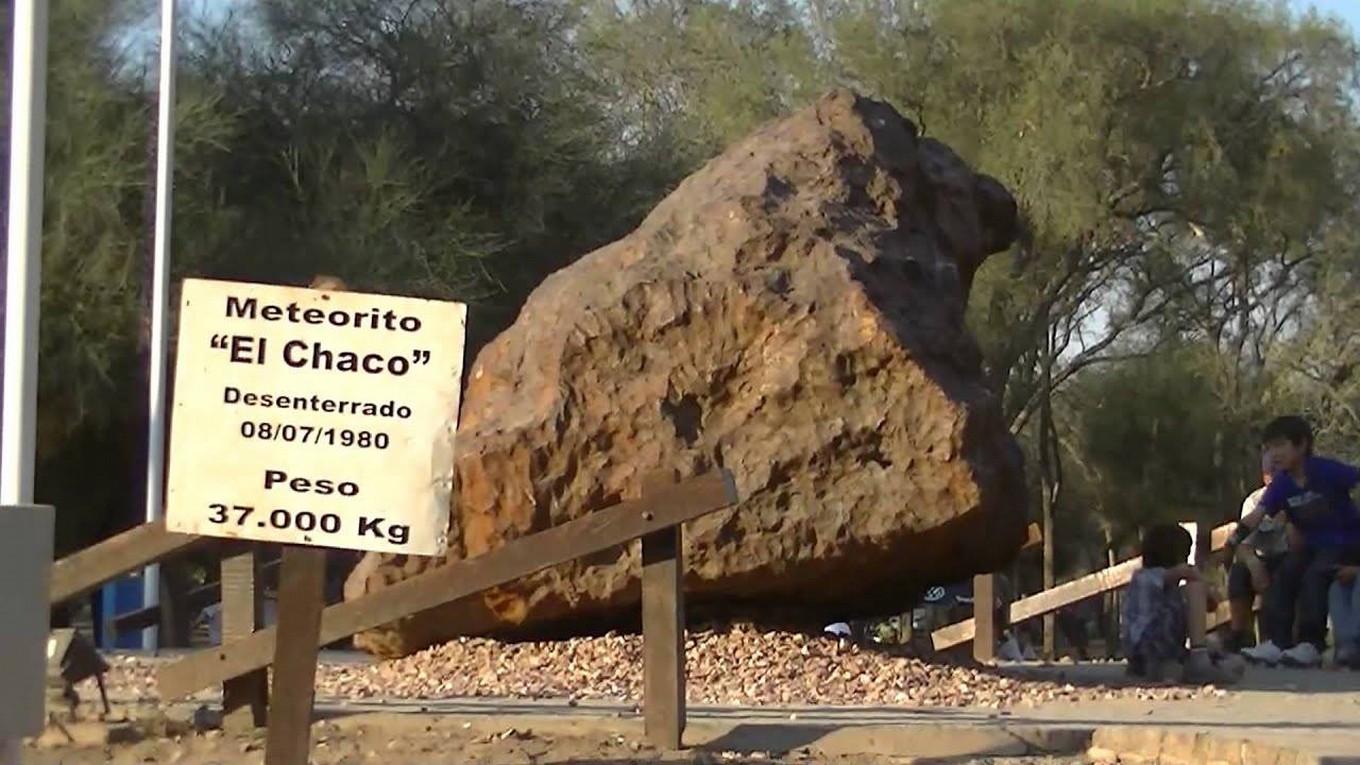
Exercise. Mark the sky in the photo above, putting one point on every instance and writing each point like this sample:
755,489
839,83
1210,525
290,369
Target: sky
1346,10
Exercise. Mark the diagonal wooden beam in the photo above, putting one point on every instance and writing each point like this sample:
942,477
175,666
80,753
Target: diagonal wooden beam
1064,594
85,571
595,532
195,600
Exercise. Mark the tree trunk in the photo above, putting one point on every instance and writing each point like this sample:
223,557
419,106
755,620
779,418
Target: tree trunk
1047,492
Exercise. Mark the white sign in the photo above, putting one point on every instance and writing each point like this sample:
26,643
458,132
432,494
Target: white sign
1192,529
313,417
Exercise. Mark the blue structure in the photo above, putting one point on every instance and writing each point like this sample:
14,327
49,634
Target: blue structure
118,597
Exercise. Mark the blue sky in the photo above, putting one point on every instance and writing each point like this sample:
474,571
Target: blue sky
1347,10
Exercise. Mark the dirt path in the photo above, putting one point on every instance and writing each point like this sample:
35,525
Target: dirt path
402,739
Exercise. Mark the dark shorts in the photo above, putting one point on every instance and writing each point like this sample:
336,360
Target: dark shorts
1239,578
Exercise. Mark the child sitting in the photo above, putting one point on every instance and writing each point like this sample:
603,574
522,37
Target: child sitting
1160,615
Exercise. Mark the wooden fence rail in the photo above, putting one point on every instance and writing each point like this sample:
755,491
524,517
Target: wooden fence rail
194,600
83,572
655,519
1048,601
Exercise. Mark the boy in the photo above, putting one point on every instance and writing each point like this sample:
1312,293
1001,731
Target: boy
1160,615
1344,600
1314,494
1257,559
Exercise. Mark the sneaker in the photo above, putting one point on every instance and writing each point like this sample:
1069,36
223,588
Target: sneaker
1345,657
1266,653
1303,655
1010,651
1202,669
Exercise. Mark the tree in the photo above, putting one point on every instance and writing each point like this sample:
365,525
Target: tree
1186,171
98,114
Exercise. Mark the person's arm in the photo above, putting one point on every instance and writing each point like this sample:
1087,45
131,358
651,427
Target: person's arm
1250,560
1271,503
1177,574
1342,475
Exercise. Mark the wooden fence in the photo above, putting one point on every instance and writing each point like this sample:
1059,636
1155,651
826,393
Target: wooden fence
981,629
240,662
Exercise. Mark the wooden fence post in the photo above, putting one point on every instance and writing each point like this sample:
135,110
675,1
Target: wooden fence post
174,616
245,699
663,638
592,533
302,597
984,618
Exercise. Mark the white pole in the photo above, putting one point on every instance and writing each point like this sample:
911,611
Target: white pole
28,115
28,123
160,297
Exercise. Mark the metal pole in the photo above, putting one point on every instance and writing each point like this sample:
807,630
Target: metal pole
160,288
28,118
28,115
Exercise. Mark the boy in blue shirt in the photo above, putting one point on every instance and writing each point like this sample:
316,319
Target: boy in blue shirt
1314,493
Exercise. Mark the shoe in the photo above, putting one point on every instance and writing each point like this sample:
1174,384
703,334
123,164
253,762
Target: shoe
1348,657
1303,655
1236,642
1202,669
1266,653
1010,651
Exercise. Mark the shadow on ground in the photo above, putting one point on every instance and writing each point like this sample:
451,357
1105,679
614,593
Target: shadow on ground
1111,674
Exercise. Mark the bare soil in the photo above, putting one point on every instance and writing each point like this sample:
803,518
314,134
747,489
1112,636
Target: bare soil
396,739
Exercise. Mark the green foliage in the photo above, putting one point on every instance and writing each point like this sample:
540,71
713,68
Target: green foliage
1187,171
1184,168
1148,428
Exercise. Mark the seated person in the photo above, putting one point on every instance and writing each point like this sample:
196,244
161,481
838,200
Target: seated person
1256,560
1344,602
1157,614
1314,493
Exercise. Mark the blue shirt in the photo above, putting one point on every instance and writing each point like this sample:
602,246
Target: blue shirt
1322,509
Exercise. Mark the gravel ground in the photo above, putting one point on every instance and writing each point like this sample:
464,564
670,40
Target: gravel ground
738,666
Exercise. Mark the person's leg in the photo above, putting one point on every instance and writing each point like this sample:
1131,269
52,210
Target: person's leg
1353,620
1278,610
1272,564
1200,665
1241,598
1312,609
1317,580
1281,601
1196,613
1341,602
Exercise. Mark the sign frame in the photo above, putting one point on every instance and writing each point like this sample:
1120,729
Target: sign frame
315,417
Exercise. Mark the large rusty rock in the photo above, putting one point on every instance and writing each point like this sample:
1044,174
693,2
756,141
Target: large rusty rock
793,312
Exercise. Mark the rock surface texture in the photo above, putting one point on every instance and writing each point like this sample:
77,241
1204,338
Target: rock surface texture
793,313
